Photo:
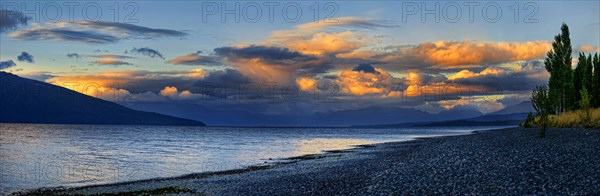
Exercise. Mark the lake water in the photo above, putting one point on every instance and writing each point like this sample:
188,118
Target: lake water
33,156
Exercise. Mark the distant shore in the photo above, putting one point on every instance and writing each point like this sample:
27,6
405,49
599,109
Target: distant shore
507,161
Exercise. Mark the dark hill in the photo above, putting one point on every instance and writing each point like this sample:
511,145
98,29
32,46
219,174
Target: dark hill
29,101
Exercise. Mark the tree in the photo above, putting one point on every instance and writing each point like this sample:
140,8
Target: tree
558,63
587,74
596,82
542,105
582,77
529,121
585,105
578,75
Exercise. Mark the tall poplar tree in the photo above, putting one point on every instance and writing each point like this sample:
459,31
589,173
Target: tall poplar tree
558,63
596,82
587,74
578,75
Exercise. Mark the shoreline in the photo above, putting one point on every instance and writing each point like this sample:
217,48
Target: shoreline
307,166
255,167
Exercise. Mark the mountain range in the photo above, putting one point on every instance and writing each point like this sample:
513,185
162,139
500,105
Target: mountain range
30,101
375,115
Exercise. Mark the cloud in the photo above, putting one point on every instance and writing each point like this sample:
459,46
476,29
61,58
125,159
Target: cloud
98,32
307,29
323,43
268,54
225,77
448,55
147,52
479,103
40,76
7,64
222,83
359,54
362,83
63,35
111,62
306,84
523,77
269,63
587,48
73,55
198,73
110,56
24,56
469,74
173,93
138,85
196,59
169,91
134,81
340,35
367,68
10,20
110,59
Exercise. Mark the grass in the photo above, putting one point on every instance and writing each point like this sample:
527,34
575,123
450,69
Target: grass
574,119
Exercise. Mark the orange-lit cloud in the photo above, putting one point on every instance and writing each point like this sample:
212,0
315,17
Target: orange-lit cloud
127,79
468,53
306,84
195,59
173,93
111,62
588,48
197,73
358,54
328,43
469,74
362,83
169,91
331,37
258,70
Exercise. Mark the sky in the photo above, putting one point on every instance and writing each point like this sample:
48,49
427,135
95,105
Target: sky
302,57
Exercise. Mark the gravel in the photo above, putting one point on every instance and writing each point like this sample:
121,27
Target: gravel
499,162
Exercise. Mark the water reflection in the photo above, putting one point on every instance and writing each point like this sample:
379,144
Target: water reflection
317,145
35,156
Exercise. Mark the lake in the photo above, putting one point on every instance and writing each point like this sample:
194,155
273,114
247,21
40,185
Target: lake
33,156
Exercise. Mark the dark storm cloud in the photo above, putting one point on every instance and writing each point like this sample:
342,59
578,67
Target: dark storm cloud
227,76
64,35
196,59
533,73
367,68
7,64
111,62
314,70
146,52
130,28
73,55
269,54
10,20
222,84
25,57
93,32
110,56
370,24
